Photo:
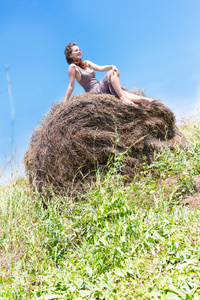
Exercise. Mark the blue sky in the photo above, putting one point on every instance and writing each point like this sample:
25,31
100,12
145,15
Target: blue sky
155,44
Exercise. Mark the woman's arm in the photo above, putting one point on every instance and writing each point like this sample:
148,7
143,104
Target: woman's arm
72,74
102,68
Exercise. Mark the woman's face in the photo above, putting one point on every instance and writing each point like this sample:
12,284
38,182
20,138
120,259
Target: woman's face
76,53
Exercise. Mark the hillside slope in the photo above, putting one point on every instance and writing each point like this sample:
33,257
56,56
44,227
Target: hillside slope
139,241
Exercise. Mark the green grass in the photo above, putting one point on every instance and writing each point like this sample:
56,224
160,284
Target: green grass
118,242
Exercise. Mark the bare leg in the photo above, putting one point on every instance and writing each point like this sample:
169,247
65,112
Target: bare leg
114,78
125,96
139,99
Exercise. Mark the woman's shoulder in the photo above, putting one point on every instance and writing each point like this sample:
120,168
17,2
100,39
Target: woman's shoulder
72,66
72,70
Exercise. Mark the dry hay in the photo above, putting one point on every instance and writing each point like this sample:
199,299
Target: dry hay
76,138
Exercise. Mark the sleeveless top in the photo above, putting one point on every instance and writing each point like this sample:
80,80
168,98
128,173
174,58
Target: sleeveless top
91,85
88,79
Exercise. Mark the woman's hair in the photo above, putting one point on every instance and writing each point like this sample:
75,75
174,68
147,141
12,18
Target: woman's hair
70,60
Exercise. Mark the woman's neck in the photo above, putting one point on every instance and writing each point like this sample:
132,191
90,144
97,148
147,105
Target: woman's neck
82,64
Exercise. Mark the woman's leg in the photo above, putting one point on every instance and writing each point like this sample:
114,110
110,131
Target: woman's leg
139,99
114,79
125,96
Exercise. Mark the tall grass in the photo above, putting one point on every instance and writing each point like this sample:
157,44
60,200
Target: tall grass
118,242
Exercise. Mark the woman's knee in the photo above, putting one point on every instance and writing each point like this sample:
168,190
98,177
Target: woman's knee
112,74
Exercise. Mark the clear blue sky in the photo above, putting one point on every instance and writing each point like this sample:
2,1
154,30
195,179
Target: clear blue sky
154,43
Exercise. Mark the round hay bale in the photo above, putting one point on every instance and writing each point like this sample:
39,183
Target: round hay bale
76,138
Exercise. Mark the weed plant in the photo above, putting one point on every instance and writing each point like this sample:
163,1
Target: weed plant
117,242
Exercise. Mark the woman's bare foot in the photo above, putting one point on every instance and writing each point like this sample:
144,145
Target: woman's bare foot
146,102
128,102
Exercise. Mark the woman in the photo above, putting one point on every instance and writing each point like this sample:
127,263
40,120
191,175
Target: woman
84,73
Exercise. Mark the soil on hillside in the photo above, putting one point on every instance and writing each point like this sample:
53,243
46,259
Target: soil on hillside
190,200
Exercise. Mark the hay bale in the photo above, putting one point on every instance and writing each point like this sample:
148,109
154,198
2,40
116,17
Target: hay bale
74,139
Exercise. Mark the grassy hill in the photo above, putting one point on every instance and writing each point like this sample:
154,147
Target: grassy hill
140,241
